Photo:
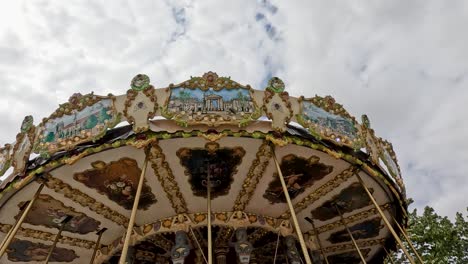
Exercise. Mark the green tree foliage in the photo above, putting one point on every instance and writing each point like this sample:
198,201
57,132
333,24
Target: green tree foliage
436,238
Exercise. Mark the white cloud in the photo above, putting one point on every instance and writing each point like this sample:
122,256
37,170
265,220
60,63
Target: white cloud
402,63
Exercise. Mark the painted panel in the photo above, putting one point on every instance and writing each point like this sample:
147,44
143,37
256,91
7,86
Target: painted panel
219,163
211,100
5,158
27,251
118,180
74,124
367,229
351,198
326,119
299,174
49,212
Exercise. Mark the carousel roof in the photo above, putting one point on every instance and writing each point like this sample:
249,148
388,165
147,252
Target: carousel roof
90,163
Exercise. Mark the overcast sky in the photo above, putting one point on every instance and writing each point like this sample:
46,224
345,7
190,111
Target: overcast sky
404,63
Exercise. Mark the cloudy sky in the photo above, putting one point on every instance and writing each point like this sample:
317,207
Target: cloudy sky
404,63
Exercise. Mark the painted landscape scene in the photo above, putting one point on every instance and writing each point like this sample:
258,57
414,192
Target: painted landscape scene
86,123
324,119
230,101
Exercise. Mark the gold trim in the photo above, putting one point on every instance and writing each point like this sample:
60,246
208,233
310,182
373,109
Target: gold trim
163,172
85,200
256,172
46,236
150,93
350,219
223,236
350,246
322,190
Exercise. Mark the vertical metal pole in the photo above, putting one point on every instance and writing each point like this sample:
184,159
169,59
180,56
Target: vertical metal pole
16,222
123,257
57,237
408,240
198,244
387,223
20,221
350,235
318,239
276,249
389,256
96,247
293,213
208,186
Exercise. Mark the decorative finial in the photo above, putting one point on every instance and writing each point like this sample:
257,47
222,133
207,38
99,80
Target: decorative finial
365,121
140,82
276,85
27,124
210,78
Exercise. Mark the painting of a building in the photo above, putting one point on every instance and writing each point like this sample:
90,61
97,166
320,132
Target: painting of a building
324,119
195,100
89,121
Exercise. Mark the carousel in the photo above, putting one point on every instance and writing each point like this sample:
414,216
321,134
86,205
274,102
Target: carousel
204,171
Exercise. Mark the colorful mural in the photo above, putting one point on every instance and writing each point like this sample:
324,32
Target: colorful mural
219,163
27,251
390,163
230,101
49,212
351,198
367,229
118,180
299,173
348,257
5,159
77,126
209,106
325,120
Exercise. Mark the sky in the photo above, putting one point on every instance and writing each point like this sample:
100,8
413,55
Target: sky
403,63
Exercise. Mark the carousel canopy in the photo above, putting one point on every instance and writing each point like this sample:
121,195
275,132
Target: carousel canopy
89,155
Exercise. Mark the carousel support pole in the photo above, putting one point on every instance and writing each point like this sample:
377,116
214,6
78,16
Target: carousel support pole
210,239
318,239
276,249
15,228
57,237
198,244
293,213
350,235
387,223
16,222
389,256
123,257
98,242
408,240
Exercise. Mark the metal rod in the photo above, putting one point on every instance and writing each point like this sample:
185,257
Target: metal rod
318,239
387,223
293,213
198,244
208,187
408,240
123,257
276,249
20,221
57,237
389,256
96,247
350,235
16,222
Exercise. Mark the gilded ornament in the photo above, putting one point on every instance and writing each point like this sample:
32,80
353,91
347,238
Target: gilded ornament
140,82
